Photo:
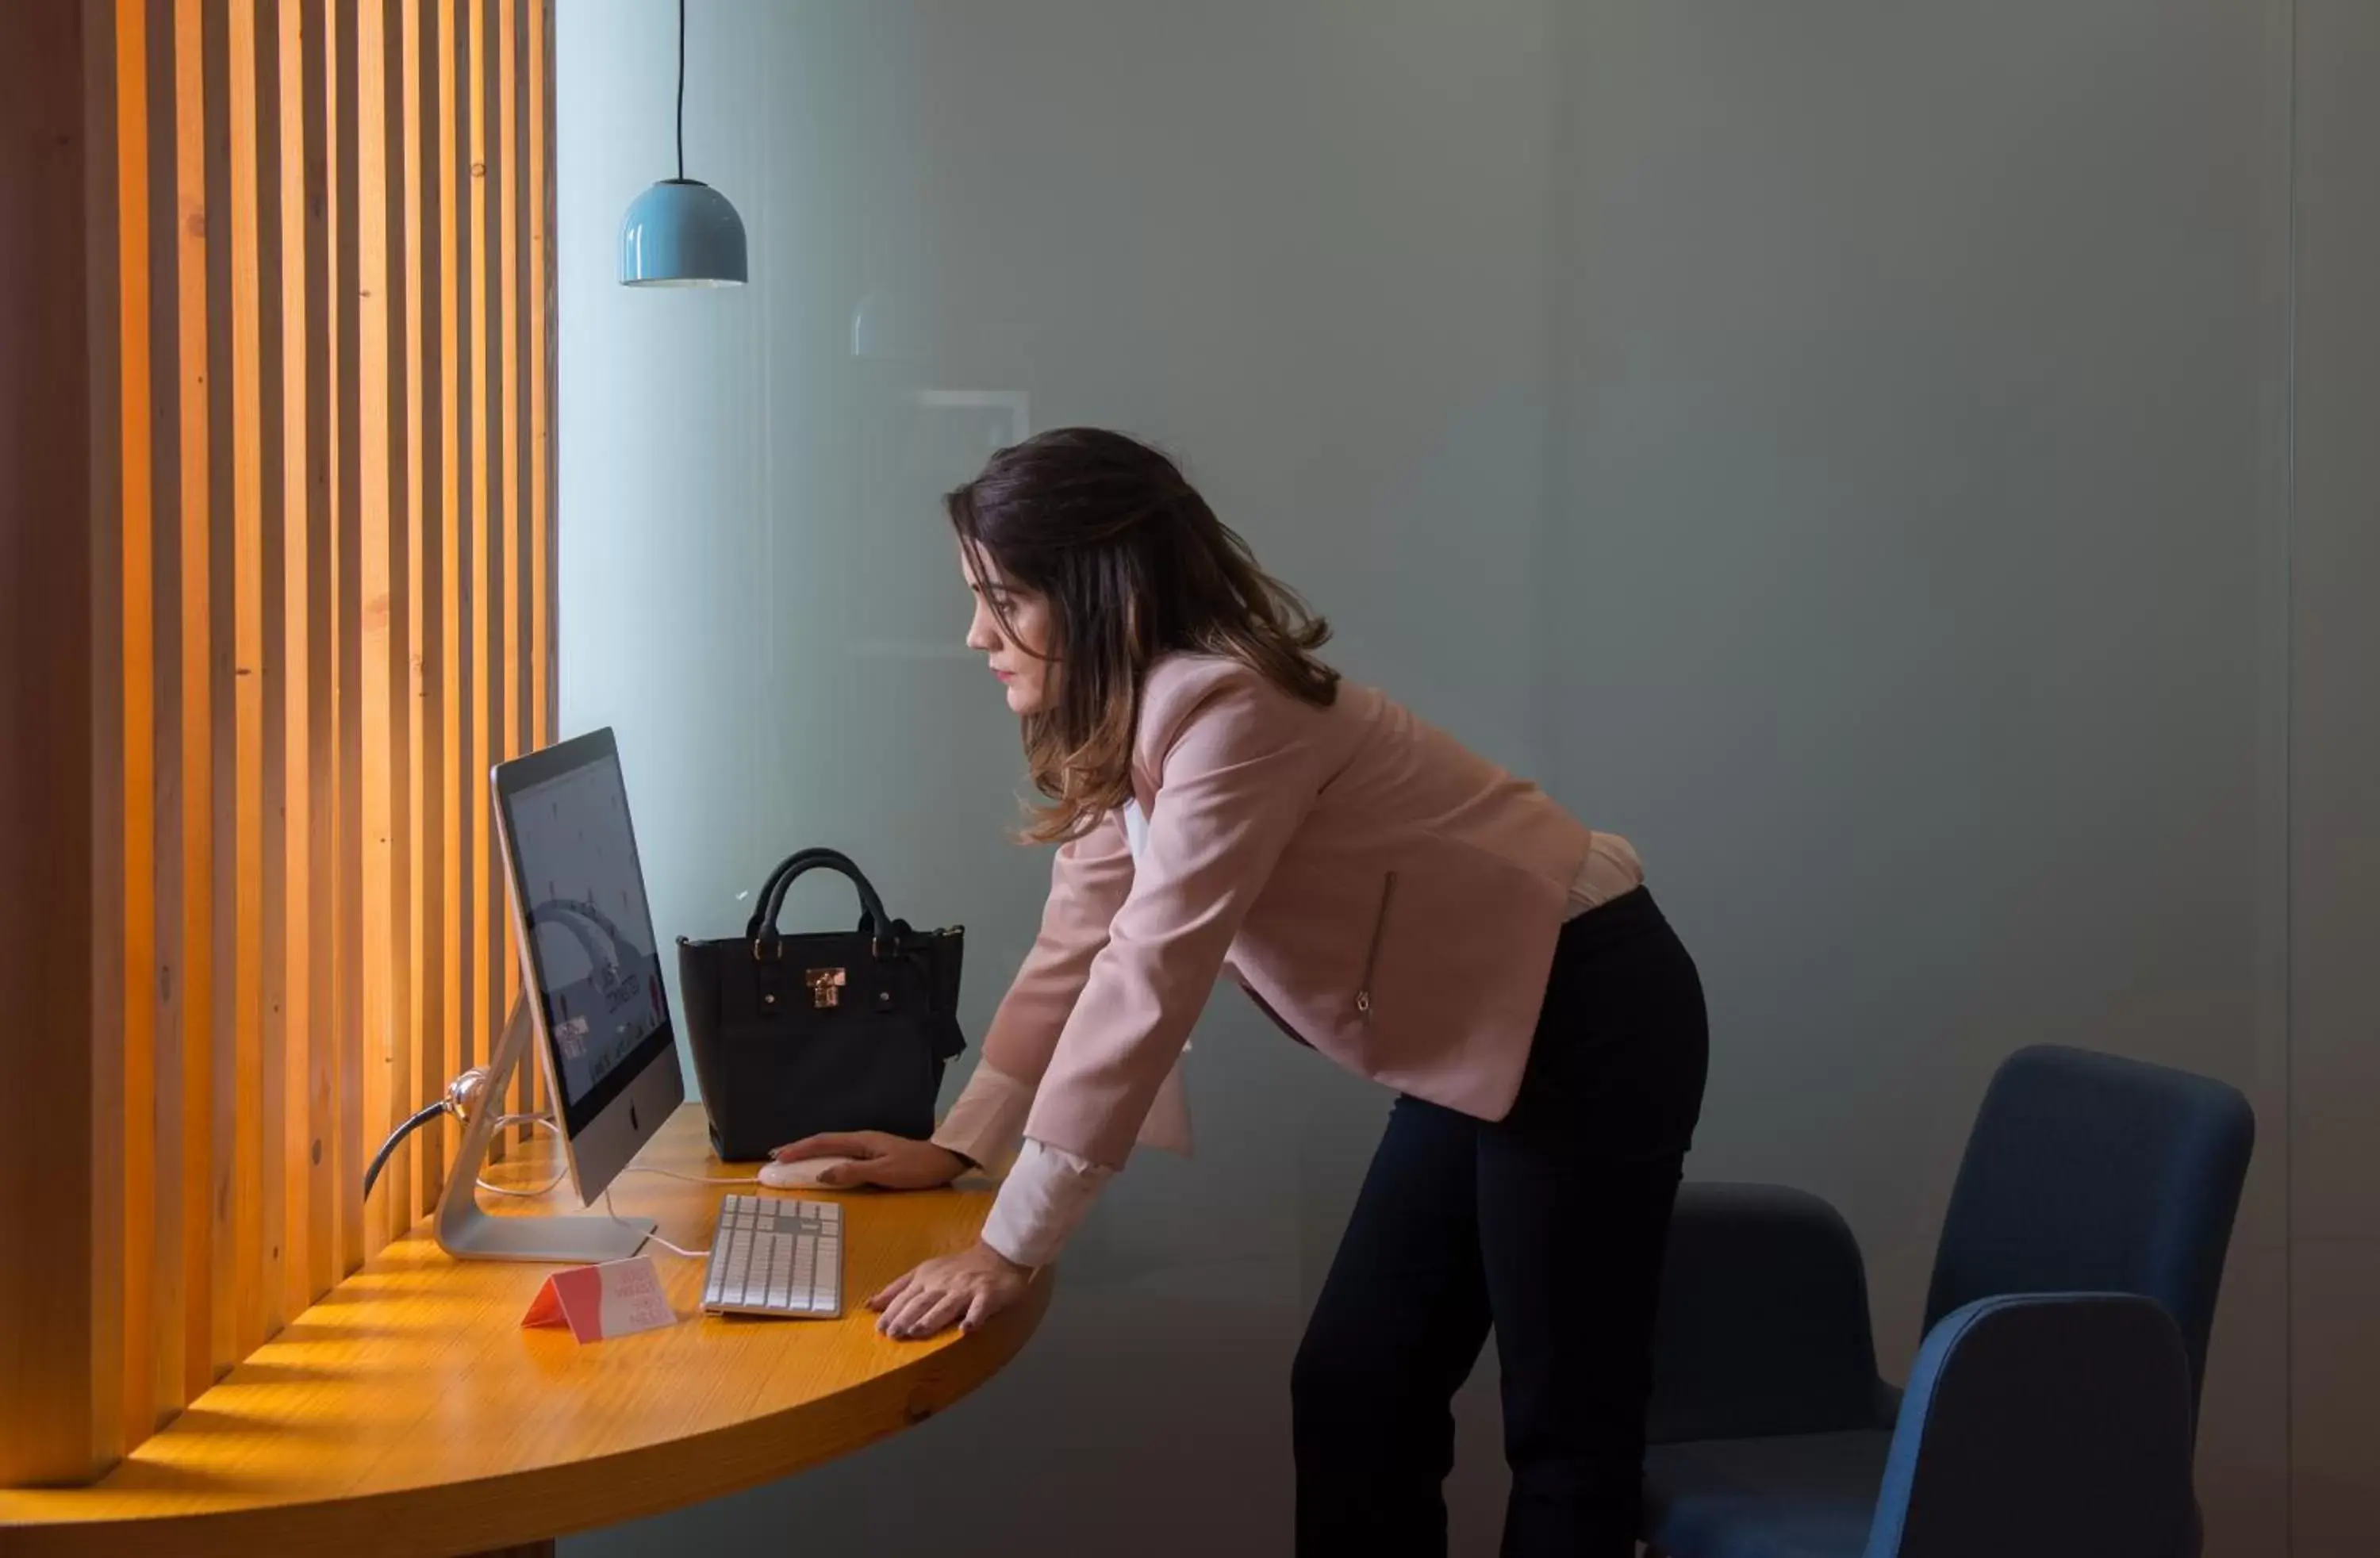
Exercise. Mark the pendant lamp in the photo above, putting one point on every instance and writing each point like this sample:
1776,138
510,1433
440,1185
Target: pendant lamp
681,232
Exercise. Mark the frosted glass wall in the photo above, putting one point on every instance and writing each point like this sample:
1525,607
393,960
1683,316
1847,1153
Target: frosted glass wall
1838,445
1304,246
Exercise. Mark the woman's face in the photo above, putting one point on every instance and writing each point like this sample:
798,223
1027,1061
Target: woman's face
1031,680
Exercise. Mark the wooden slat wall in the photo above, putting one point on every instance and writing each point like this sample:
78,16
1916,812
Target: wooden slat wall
57,244
315,463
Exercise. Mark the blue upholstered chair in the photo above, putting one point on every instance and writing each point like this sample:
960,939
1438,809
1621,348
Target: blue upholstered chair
2052,1406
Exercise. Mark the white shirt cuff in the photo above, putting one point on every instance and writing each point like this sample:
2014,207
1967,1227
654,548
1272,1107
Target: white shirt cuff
1041,1203
988,1122
1610,871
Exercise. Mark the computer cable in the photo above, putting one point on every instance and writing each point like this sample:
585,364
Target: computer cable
460,1095
419,1118
559,1174
464,1091
694,1178
653,1238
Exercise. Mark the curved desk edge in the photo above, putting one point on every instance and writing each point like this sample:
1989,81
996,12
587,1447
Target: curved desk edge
524,1508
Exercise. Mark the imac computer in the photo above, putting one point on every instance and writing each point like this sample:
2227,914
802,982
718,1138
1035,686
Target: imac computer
592,1003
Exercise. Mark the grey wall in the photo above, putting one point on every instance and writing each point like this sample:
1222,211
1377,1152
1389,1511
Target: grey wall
1921,468
1847,447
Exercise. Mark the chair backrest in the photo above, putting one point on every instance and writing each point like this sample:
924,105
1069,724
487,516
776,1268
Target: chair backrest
2054,1425
1763,1323
2090,1172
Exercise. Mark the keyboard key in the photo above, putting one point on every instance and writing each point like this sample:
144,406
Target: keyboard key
775,1256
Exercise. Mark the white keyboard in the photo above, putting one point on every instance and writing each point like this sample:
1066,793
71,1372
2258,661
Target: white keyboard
773,1256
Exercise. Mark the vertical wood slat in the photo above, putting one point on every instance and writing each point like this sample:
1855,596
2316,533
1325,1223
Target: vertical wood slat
380,545
195,968
104,817
100,819
98,1287
457,1052
486,922
272,1069
538,199
397,1210
299,666
326,1152
426,1004
512,621
137,751
317,584
168,1257
378,471
508,329
242,1174
364,594
57,246
222,571
347,390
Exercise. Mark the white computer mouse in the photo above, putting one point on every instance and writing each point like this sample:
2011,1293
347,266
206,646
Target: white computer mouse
799,1175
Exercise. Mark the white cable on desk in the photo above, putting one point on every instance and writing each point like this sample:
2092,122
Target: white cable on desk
690,1180
547,1122
694,1178
560,1174
654,1238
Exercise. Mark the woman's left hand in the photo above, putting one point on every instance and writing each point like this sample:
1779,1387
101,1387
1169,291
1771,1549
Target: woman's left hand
969,1287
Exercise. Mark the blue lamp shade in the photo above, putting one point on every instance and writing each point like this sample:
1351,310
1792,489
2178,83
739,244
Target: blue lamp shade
682,233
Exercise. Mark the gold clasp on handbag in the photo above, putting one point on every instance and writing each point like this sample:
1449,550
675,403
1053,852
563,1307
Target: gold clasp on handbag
826,987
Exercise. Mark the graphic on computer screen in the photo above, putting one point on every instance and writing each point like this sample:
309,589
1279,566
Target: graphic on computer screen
591,929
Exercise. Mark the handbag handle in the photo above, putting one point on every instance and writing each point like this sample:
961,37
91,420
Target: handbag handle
763,911
873,919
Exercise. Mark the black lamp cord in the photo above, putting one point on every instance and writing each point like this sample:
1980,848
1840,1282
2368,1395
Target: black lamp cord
681,90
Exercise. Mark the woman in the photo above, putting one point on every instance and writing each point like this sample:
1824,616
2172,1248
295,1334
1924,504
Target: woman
1224,804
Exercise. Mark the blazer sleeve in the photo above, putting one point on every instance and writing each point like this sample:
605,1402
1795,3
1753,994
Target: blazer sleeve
1088,884
1236,776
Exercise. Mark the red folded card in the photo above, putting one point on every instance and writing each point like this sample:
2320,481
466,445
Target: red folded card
612,1299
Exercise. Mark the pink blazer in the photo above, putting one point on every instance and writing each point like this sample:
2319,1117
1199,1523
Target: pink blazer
1387,897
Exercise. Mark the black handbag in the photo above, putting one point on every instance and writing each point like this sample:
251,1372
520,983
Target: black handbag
834,1031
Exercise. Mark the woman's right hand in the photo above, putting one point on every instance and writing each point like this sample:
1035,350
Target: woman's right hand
894,1162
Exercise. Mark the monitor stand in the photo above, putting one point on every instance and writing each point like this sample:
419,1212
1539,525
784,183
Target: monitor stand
469,1234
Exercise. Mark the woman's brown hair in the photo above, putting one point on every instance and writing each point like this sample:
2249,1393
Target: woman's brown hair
1134,565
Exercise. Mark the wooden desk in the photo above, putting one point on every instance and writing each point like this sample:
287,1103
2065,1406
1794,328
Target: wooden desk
409,1413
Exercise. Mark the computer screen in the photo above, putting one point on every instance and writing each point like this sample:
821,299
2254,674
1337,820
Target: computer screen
595,960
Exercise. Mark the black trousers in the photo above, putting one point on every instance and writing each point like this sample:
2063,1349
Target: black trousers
1548,1225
